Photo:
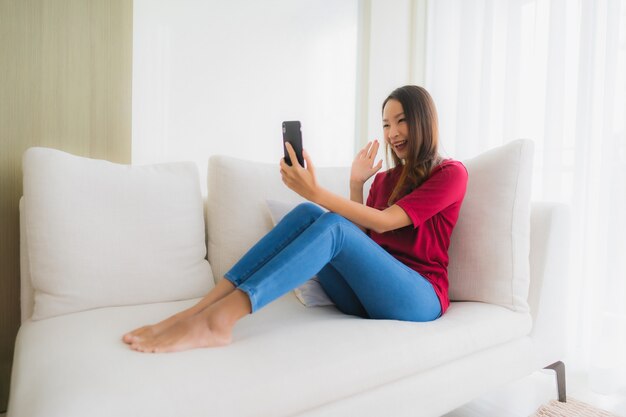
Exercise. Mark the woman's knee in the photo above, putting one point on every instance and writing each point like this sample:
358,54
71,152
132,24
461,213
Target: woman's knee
338,223
308,209
315,211
333,218
338,290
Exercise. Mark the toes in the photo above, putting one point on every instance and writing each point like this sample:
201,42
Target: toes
143,337
144,346
153,348
136,345
130,337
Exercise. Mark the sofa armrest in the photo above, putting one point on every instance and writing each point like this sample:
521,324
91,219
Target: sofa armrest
549,272
26,288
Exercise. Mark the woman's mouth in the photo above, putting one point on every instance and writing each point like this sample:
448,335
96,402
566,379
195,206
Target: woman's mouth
398,146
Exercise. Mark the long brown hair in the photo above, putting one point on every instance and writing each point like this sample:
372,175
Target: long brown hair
423,141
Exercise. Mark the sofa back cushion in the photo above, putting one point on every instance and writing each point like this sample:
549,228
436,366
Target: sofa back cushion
102,234
490,245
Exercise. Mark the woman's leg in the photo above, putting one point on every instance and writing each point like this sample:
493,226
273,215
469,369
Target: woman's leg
386,288
285,231
356,273
340,292
211,327
221,290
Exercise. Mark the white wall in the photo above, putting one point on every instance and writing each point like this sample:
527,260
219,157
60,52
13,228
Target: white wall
214,77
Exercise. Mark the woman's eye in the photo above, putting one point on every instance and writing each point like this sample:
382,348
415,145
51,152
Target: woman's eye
385,126
401,120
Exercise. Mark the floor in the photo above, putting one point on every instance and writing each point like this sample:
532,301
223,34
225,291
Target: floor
522,398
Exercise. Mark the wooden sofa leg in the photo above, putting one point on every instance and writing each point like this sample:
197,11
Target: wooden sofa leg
559,368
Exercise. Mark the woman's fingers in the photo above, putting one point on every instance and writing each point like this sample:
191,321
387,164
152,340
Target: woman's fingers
363,152
309,163
363,166
373,150
292,155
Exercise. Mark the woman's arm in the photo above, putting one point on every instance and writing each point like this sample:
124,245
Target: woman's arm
356,195
362,170
303,181
380,221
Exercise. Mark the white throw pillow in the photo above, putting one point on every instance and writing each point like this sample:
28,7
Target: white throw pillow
103,234
311,293
490,245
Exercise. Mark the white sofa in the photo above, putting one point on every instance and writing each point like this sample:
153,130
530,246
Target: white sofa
286,359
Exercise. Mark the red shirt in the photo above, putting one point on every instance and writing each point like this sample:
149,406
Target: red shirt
434,209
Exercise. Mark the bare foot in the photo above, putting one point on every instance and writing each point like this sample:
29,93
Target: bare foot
188,333
150,331
221,290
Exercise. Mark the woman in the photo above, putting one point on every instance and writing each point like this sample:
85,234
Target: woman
383,260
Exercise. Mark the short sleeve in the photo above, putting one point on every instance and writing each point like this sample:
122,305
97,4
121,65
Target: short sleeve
444,188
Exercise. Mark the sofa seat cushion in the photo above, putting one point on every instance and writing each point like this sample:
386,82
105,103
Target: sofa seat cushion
285,359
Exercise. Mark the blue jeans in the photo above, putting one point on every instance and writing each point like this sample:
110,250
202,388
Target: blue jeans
358,275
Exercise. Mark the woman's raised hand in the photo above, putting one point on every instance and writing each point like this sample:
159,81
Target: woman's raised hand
363,165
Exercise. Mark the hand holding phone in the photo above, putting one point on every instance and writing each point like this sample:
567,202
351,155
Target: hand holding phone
292,133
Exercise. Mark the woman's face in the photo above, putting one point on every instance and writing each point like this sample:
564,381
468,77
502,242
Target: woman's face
395,128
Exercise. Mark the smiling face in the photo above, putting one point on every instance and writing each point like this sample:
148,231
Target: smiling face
396,128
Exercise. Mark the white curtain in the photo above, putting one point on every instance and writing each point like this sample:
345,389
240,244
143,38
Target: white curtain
553,71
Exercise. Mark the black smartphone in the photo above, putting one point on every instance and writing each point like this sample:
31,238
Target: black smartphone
292,133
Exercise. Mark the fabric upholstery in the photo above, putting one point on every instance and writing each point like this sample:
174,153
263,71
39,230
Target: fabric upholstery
76,364
285,359
102,234
490,245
